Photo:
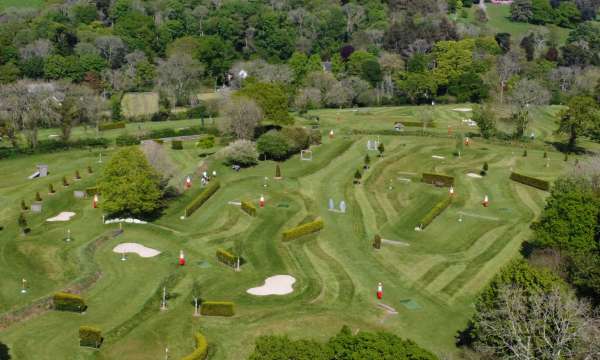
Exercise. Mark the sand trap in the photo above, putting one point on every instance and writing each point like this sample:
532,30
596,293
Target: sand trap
463,109
274,285
63,216
473,175
139,249
437,157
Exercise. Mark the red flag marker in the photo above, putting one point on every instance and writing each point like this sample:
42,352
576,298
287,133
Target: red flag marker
188,182
379,291
181,258
95,201
486,201
261,202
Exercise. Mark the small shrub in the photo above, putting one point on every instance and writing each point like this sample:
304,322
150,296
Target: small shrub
90,336
367,161
177,145
127,140
545,155
91,191
202,198
377,241
217,308
201,348
303,229
357,176
381,149
277,172
531,181
64,181
485,166
22,221
240,152
274,145
111,126
68,302
77,175
51,189
435,212
249,208
38,197
89,169
525,153
438,179
566,157
24,206
206,142
227,258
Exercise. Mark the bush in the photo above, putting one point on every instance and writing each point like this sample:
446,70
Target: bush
51,189
202,198
64,181
177,145
435,211
298,138
277,172
377,241
24,206
127,140
90,336
303,229
227,258
89,170
240,152
438,179
274,145
249,208
217,308
418,124
38,197
315,137
91,191
206,142
531,181
111,126
201,348
68,302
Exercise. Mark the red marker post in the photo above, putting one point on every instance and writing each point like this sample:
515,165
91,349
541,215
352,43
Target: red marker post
181,258
188,182
379,291
485,202
95,201
261,202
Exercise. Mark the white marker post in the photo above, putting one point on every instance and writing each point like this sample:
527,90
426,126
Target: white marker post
68,235
23,286
163,305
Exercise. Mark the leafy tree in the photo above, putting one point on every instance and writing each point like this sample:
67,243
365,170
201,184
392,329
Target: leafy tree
9,73
129,185
521,10
271,98
469,87
137,31
417,86
38,197
584,274
580,118
273,144
453,59
242,116
485,118
503,40
240,152
216,54
541,12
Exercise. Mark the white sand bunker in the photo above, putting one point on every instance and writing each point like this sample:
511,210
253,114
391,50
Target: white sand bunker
463,109
139,249
63,216
473,175
274,285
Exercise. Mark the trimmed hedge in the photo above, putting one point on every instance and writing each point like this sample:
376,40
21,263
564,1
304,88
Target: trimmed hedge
68,302
111,126
91,191
217,308
531,181
249,208
177,145
201,348
90,336
436,179
48,146
417,124
127,140
303,229
435,212
226,257
202,198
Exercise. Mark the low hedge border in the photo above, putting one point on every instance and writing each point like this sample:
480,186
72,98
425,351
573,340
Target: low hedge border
436,179
249,208
111,126
90,336
63,301
303,229
531,181
217,308
435,212
226,258
201,348
417,124
202,198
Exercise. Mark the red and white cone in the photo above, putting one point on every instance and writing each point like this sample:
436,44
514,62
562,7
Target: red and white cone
181,258
95,201
486,201
188,182
331,134
379,291
451,191
467,141
261,202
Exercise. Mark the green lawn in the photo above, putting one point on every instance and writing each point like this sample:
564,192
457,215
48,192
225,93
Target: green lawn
440,269
20,3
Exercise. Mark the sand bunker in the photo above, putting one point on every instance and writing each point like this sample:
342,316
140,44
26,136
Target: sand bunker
437,157
473,175
139,249
274,285
463,109
63,216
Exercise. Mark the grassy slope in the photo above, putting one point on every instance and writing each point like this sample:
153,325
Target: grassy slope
20,3
337,270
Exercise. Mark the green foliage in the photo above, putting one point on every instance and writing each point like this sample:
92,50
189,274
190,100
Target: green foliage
584,273
64,181
435,212
38,197
249,208
209,191
206,142
240,152
51,189
304,229
227,258
271,98
438,179
569,219
217,308
357,176
277,172
90,336
201,348
77,175
89,170
63,301
525,153
377,241
91,191
581,118
22,221
177,145
129,185
111,126
273,144
24,207
531,181
381,149
127,140
485,166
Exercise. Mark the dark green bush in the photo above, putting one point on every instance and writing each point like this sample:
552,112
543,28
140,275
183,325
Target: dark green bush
91,191
90,336
227,258
531,181
212,188
274,145
249,208
111,126
377,241
437,179
177,145
217,308
68,302
201,348
303,229
127,140
206,142
435,212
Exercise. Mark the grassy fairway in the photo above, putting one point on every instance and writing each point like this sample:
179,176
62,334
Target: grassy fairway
430,277
21,4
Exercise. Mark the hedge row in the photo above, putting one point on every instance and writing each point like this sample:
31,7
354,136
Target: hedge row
90,336
435,211
177,145
226,257
217,308
437,179
111,126
47,146
170,132
68,302
303,229
249,208
212,188
531,181
417,124
201,348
